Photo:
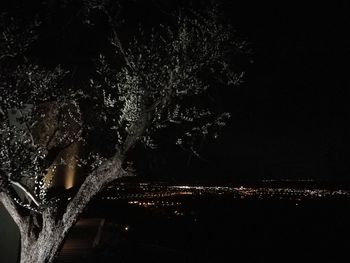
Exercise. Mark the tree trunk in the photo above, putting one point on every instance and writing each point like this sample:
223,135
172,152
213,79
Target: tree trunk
42,249
45,246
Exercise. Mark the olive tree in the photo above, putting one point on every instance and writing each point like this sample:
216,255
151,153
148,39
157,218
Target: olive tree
159,79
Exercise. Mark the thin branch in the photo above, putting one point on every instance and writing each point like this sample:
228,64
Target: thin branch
28,129
137,130
164,99
51,138
7,56
118,43
116,40
26,192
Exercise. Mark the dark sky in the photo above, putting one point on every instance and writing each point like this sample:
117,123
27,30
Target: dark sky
290,118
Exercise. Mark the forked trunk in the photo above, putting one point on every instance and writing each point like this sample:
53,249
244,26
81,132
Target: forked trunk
43,249
44,244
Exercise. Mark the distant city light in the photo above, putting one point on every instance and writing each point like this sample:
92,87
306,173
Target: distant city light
160,195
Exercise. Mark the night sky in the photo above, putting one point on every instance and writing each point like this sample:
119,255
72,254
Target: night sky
290,117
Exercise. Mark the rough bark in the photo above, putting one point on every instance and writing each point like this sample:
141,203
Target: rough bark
11,208
43,247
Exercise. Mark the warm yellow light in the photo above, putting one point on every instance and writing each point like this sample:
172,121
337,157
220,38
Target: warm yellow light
70,171
69,182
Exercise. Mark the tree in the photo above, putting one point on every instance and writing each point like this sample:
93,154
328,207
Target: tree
161,79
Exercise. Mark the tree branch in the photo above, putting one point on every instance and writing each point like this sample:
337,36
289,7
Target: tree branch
26,192
118,43
137,129
6,56
12,209
116,40
107,172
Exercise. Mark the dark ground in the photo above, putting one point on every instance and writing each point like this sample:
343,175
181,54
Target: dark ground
220,229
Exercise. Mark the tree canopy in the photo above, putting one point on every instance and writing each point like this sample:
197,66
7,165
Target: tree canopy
127,83
138,83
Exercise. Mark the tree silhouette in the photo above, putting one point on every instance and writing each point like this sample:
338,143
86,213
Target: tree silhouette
160,78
